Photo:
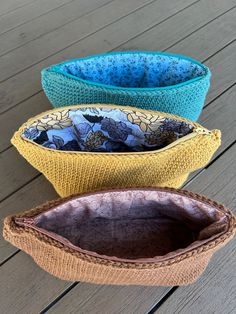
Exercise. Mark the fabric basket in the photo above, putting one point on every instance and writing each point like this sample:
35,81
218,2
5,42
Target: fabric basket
94,147
148,80
143,236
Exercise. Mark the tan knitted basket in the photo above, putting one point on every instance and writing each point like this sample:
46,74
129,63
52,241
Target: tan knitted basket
145,236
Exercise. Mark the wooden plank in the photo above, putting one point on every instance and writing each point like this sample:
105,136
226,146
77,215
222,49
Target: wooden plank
214,116
46,23
197,45
8,6
15,172
31,195
223,68
28,13
180,26
18,88
27,290
32,52
215,291
109,299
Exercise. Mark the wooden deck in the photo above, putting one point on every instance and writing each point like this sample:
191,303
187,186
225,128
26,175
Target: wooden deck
37,33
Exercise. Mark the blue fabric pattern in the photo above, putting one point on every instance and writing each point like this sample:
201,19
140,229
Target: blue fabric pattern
105,130
149,80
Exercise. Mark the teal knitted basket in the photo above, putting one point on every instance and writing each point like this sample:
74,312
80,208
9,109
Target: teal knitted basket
148,80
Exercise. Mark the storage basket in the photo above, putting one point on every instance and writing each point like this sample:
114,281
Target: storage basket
148,80
93,147
143,236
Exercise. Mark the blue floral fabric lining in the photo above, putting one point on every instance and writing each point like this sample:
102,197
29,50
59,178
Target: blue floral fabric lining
105,130
140,70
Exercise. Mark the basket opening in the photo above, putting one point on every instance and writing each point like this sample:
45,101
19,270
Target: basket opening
134,70
96,129
133,224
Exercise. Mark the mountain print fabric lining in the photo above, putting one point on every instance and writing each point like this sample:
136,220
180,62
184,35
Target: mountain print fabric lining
105,130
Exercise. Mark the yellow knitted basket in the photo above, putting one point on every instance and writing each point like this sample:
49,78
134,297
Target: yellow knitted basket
145,236
110,146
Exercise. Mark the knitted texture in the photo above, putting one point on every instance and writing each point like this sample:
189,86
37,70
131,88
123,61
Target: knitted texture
72,172
70,264
79,82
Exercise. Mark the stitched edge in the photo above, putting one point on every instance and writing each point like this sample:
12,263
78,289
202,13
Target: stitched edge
215,134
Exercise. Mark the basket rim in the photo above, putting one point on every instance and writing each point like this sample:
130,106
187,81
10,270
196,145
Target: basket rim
17,138
57,68
207,247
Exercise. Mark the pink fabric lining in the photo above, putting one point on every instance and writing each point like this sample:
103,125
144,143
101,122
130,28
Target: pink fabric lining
133,224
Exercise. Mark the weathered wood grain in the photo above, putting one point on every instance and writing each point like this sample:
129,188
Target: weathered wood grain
97,299
15,172
46,23
180,26
225,59
14,118
28,289
197,45
8,6
200,45
221,114
27,13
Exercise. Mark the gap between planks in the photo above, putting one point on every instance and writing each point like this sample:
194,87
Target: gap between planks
3,53
142,6
67,2
15,8
180,40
